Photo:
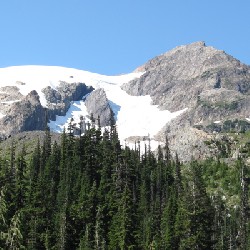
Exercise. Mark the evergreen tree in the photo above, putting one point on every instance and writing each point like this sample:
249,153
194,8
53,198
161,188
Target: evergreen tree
122,227
168,237
244,207
3,219
14,239
90,193
200,212
21,180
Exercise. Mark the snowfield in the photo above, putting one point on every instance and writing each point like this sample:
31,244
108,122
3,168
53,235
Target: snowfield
135,115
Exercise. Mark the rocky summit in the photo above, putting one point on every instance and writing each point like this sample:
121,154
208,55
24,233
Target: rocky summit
197,91
190,74
213,86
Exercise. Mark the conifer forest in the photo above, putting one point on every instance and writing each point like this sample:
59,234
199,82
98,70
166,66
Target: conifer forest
88,192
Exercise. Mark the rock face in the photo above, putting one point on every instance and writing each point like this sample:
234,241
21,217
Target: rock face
98,105
212,85
59,99
25,113
175,79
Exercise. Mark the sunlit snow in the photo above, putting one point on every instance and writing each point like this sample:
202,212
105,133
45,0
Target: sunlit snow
76,110
38,77
135,116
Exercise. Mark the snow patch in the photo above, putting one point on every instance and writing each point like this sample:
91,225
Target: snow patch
76,110
39,77
135,115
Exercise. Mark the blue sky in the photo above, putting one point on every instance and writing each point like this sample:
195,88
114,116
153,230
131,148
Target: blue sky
113,37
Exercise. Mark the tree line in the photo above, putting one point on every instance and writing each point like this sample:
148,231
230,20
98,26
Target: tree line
90,193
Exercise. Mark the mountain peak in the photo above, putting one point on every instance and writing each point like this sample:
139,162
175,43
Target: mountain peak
191,46
188,85
211,84
191,60
188,50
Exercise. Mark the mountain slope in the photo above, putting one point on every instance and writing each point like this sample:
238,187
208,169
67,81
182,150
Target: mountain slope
176,78
186,94
212,85
59,92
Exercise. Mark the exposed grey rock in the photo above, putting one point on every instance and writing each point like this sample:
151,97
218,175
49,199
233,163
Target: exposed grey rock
24,115
59,99
211,84
186,140
73,91
98,105
9,93
175,79
52,95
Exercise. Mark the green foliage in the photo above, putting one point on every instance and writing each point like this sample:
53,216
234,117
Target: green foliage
229,126
90,193
220,104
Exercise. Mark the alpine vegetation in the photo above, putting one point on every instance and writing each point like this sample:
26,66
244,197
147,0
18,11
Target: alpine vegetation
87,192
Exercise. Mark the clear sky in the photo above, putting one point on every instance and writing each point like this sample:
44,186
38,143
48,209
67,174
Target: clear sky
116,36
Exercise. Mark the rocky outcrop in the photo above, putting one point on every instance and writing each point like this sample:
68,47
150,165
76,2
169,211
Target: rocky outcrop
59,99
26,114
98,105
9,94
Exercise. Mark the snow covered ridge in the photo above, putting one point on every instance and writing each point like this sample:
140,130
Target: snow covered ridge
28,78
134,114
